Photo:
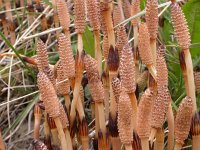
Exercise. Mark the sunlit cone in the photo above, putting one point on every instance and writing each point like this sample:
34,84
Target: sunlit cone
180,26
42,56
93,13
91,68
160,107
197,80
116,86
95,85
144,45
162,71
122,39
135,8
126,8
63,84
103,8
96,90
43,63
79,12
48,95
152,17
117,18
66,55
144,114
183,120
127,70
124,118
63,14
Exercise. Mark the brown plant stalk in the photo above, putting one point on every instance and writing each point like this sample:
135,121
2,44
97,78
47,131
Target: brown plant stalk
113,65
184,39
37,121
170,119
195,130
105,81
54,132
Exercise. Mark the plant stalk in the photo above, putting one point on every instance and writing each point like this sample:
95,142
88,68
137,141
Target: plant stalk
145,143
170,118
195,142
98,55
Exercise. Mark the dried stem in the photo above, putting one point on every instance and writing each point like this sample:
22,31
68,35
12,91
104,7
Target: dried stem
190,78
55,139
98,55
116,143
145,143
159,143
68,139
195,142
170,118
85,142
113,104
78,78
153,49
37,123
128,147
102,123
46,131
61,134
178,146
67,102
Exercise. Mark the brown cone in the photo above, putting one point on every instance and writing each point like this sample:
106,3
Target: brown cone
183,120
63,14
144,114
48,95
62,86
152,18
66,55
135,8
160,107
124,118
127,70
116,86
79,12
93,14
180,26
144,45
